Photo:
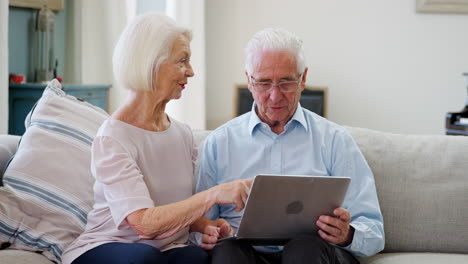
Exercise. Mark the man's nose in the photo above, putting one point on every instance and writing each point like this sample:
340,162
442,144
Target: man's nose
275,94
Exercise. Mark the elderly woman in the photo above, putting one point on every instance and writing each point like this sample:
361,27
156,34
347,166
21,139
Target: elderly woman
143,160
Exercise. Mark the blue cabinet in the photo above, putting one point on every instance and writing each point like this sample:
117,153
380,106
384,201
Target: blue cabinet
22,98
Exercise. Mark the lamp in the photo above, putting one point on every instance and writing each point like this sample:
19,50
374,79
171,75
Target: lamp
457,123
466,84
44,45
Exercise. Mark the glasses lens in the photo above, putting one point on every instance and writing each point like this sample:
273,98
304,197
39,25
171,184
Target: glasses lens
288,86
262,86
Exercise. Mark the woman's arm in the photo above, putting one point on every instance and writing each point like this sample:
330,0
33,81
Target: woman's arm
164,221
200,224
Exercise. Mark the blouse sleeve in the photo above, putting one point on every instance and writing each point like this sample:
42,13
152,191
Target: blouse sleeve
118,174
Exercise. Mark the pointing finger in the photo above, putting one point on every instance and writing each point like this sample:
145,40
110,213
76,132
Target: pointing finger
249,182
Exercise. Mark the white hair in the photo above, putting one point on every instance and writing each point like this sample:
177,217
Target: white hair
274,39
144,44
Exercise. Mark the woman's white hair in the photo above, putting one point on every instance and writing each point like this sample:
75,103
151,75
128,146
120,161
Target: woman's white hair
274,39
143,45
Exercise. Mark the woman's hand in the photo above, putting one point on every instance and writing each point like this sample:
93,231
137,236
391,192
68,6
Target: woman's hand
213,233
235,192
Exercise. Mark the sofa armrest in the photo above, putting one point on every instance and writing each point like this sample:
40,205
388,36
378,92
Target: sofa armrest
8,147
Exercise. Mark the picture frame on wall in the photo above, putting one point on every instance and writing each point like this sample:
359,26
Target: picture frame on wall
55,5
442,6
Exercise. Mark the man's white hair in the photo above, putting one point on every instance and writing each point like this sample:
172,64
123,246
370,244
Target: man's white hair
274,39
143,45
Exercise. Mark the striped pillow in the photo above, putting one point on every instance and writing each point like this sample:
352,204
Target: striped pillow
47,190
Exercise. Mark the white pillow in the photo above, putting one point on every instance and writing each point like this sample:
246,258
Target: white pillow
47,190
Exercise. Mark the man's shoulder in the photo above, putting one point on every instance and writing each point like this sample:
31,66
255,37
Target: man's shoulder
236,125
323,125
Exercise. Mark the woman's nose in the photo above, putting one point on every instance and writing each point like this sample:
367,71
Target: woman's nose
189,72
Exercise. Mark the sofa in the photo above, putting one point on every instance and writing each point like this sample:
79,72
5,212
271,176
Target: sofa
421,180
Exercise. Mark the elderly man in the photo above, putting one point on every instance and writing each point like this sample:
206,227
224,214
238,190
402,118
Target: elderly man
280,137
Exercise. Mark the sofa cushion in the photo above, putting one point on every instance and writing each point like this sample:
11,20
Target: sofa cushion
47,190
422,185
415,258
12,256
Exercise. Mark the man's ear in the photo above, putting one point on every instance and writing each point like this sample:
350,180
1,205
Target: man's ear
248,81
304,77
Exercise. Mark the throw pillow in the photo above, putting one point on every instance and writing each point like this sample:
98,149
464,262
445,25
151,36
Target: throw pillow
48,186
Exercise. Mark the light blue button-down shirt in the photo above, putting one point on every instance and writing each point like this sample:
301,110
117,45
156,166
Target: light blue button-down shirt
310,145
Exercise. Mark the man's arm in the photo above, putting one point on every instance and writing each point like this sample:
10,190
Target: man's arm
207,178
207,174
361,200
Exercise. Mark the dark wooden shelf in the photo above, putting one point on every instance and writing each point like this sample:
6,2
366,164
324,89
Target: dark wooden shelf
22,98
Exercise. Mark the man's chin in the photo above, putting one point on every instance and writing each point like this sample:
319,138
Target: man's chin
276,118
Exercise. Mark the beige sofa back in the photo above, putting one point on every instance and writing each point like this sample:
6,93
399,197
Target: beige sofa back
422,184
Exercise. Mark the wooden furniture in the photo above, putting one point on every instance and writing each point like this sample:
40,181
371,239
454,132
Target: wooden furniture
56,5
22,98
312,98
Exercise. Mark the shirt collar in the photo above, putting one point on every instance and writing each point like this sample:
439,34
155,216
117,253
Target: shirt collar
254,120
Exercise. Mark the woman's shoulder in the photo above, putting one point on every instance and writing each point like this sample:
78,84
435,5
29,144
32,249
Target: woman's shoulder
182,130
116,130
180,126
116,134
113,128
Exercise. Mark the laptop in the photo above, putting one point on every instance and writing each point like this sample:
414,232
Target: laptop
281,207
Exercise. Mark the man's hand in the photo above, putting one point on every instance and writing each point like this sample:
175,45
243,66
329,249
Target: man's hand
336,230
212,233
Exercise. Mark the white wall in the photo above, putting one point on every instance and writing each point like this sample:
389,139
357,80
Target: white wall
3,67
93,28
190,109
101,25
386,66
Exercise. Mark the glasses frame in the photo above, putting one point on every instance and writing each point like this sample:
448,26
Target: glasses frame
253,83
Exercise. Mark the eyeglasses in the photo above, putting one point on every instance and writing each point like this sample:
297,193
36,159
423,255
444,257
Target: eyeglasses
285,87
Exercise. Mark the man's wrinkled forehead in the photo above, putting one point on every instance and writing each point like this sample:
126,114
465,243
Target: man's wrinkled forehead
274,61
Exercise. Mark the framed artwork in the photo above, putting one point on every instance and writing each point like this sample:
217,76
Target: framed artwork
442,6
312,98
56,5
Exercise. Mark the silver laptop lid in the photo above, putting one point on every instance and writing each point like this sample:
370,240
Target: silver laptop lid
281,207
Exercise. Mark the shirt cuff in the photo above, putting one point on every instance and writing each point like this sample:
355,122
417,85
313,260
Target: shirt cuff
358,238
195,238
